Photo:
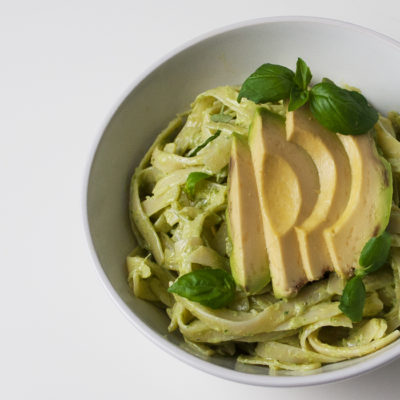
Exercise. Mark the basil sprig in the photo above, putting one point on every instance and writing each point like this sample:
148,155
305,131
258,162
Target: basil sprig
372,257
192,180
337,109
214,288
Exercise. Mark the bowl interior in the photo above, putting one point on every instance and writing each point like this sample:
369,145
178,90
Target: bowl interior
343,52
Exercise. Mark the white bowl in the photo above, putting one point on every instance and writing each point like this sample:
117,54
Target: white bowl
345,53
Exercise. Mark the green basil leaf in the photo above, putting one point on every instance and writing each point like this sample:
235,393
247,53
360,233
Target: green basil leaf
298,97
303,74
192,180
214,288
204,144
340,110
353,299
221,117
270,82
328,80
374,254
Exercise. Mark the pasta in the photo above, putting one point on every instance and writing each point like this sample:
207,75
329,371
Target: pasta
177,234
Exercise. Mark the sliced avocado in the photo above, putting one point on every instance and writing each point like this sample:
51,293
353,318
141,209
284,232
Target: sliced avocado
288,187
249,259
332,163
322,196
368,208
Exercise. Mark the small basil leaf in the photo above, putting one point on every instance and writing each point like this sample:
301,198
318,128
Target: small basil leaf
214,288
221,117
270,82
328,80
204,144
374,254
340,110
353,299
298,97
192,180
303,74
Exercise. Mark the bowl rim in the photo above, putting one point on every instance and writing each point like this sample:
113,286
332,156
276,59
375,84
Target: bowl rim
236,376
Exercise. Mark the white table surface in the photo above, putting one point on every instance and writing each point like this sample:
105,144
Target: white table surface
63,65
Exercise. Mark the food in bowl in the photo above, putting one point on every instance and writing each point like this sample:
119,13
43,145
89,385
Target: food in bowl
264,232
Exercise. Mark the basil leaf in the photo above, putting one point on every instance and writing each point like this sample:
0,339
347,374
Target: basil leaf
328,80
192,180
204,144
353,299
270,82
303,74
372,257
221,117
340,110
298,97
214,288
374,254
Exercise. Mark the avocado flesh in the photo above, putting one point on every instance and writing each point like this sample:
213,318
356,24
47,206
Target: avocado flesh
249,258
288,187
321,197
332,164
368,209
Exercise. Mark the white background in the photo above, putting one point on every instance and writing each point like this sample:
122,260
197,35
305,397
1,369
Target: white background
63,66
